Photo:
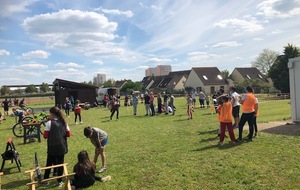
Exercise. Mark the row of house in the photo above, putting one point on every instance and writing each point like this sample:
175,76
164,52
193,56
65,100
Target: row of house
207,79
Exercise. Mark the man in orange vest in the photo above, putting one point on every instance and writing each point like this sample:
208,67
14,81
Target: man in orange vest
248,108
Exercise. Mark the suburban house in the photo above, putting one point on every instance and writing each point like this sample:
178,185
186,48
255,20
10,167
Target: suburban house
83,92
207,79
120,83
248,73
147,82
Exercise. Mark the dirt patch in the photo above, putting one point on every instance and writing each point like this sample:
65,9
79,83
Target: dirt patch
280,127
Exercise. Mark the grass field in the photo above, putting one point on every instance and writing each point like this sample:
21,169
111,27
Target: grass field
171,152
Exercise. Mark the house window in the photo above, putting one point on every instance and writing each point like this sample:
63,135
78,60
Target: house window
212,90
205,78
259,76
220,77
222,87
248,76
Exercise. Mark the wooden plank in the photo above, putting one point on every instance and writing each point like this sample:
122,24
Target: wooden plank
48,167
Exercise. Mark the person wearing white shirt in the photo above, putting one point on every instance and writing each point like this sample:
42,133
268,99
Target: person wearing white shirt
235,97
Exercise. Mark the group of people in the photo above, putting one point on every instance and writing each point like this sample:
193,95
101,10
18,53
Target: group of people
56,132
229,107
165,104
203,98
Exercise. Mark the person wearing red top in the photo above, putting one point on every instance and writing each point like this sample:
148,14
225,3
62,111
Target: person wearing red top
77,112
56,132
225,111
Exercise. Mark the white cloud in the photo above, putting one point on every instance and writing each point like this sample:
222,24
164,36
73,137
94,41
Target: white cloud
30,66
277,31
226,44
128,14
240,26
199,56
279,8
258,39
70,64
87,32
36,54
158,60
4,52
10,8
97,62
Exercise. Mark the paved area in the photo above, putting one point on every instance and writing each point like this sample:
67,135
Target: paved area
280,127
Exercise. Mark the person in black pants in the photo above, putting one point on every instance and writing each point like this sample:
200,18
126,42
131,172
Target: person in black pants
115,107
248,102
152,104
56,132
159,101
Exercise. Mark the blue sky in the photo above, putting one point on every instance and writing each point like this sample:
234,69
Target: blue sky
73,40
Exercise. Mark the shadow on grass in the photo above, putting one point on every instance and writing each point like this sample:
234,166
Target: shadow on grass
208,132
209,139
289,129
207,148
15,184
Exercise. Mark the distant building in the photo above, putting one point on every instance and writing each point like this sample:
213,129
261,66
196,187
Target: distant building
160,70
99,79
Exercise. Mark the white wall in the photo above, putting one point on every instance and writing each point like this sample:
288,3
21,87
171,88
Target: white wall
294,70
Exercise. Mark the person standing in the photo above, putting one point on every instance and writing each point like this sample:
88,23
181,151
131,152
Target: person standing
248,108
135,102
235,97
172,99
68,106
225,112
77,112
166,97
194,97
159,103
201,98
256,113
190,107
56,132
147,103
6,107
115,107
152,104
99,139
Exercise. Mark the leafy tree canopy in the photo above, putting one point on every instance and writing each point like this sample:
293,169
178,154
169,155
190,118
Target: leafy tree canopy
265,60
279,72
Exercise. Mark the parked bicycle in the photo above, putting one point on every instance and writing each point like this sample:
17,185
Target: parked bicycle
18,128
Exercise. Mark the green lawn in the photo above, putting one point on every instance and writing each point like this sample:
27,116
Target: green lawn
171,152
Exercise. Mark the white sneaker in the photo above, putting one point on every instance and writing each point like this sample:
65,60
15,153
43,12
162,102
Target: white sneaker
103,169
107,178
60,184
81,122
76,123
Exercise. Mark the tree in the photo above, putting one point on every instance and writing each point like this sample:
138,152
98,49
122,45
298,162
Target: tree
89,83
130,86
31,89
265,60
109,83
5,90
258,85
189,89
279,72
44,87
225,73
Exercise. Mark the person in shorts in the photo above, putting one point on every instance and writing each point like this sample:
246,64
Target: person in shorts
99,139
235,98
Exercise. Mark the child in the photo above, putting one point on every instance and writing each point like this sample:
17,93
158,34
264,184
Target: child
19,113
255,116
135,102
207,101
85,172
115,107
77,112
56,132
190,107
99,139
225,118
68,106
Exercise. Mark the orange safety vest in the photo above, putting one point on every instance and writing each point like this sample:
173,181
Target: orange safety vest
248,104
226,112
